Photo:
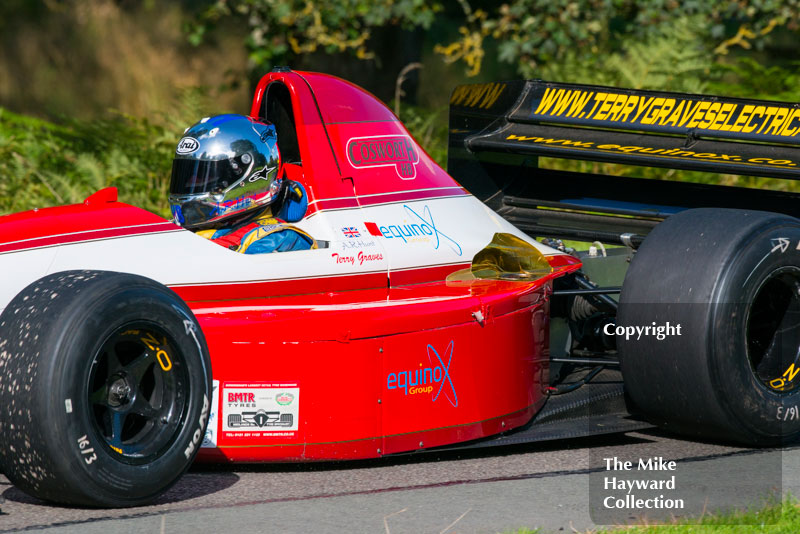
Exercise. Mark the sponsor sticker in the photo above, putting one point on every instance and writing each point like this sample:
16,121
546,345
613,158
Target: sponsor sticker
187,145
350,244
351,232
382,151
357,259
431,379
260,409
354,239
418,226
210,439
674,114
481,95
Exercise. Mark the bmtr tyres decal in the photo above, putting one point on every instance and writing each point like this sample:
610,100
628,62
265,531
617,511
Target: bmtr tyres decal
260,409
382,151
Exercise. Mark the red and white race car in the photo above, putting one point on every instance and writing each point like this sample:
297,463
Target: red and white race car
129,346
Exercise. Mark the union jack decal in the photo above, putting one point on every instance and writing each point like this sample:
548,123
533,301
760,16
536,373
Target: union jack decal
351,232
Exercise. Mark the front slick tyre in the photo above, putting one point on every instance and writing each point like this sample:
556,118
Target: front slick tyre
105,389
731,280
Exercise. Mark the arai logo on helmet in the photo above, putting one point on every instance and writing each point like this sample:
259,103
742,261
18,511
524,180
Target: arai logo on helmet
187,145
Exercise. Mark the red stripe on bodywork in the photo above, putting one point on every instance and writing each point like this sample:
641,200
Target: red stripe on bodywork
203,294
89,235
407,196
333,204
422,275
384,198
220,291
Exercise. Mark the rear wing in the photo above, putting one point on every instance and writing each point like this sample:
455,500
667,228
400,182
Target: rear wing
498,131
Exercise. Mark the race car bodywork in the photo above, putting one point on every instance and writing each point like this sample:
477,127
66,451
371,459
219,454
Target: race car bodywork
379,353
423,319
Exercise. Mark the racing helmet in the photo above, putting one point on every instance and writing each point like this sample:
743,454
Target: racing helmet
225,167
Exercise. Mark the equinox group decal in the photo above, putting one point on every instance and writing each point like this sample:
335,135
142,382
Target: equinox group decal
422,228
383,151
432,380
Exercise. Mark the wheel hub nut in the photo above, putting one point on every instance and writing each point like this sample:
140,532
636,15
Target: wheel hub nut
119,392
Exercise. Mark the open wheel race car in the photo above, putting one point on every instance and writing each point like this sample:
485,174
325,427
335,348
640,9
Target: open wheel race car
428,315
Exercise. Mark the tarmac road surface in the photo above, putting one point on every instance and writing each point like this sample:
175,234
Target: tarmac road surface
497,489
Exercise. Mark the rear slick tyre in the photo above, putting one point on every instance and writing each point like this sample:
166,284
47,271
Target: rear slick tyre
731,280
105,389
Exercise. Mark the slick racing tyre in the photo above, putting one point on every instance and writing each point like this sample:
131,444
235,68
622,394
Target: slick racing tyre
720,291
104,389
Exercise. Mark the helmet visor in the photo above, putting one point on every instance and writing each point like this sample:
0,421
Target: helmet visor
195,176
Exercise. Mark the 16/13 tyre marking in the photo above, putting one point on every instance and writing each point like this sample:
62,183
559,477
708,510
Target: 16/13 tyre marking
83,443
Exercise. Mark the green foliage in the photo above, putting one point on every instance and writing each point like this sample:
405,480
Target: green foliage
770,518
533,33
530,34
278,30
690,46
82,57
748,78
673,59
44,164
429,128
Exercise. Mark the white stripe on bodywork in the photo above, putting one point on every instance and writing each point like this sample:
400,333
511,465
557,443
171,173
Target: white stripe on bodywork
181,257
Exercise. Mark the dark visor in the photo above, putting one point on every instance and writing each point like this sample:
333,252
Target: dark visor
194,176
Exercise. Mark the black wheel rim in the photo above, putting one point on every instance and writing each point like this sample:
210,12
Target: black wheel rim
138,392
773,331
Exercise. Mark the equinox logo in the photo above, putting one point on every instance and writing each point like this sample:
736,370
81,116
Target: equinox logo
427,220
427,379
424,227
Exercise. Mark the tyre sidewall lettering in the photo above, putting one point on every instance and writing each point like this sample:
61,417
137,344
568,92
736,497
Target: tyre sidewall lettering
736,293
91,329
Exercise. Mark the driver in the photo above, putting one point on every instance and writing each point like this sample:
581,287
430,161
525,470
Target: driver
228,186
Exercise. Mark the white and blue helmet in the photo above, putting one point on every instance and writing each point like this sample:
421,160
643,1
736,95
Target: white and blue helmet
224,167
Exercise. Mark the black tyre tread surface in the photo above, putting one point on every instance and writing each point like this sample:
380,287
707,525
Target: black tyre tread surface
675,276
694,243
31,328
30,313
